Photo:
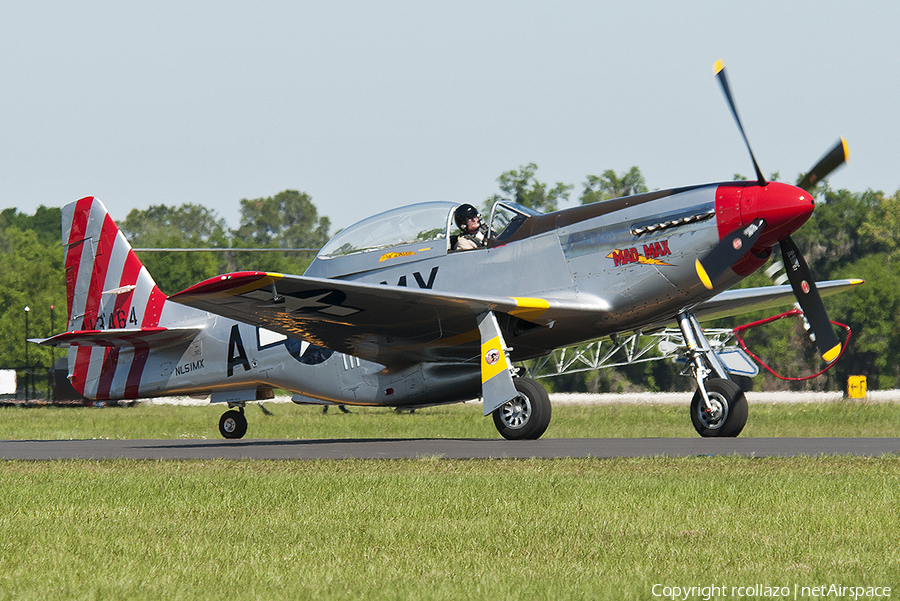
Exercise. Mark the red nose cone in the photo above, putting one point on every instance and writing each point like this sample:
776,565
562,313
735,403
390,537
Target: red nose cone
784,207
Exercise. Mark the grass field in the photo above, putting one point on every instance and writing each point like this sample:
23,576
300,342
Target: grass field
437,529
444,529
449,421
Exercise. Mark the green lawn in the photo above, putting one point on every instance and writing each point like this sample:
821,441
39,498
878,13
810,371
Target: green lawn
450,421
444,529
440,529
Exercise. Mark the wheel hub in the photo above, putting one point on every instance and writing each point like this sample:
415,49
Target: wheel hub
516,413
229,425
713,417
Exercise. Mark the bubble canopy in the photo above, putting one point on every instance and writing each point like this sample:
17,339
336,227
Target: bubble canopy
405,225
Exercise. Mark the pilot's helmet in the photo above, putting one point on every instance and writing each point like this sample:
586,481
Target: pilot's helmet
463,214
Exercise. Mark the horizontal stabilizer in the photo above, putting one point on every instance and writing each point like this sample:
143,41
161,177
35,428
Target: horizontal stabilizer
125,337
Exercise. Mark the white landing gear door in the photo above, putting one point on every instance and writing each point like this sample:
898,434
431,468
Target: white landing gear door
497,385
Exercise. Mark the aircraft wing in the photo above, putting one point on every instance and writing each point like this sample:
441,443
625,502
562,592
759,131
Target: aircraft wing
744,300
386,324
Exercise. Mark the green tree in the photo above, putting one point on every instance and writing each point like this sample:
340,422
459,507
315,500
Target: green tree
873,313
838,231
31,270
523,187
197,225
881,228
45,223
287,220
187,226
609,185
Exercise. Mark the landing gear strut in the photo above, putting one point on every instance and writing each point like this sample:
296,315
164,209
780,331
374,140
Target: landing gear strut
719,407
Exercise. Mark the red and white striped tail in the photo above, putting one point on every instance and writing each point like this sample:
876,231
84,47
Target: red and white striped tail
107,288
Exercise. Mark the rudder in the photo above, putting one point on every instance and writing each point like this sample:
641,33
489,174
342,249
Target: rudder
107,287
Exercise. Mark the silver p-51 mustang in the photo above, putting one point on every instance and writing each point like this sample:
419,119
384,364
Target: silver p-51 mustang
393,313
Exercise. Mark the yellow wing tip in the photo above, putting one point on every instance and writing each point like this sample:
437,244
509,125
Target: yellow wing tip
704,277
718,66
832,354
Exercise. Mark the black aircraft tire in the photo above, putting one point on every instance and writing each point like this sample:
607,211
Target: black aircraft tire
527,416
729,399
233,424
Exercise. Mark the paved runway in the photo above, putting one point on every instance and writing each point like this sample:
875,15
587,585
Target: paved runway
443,448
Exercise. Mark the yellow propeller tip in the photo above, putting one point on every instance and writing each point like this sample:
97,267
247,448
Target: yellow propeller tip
832,354
846,149
718,66
704,277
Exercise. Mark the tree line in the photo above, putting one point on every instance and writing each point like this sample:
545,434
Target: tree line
850,235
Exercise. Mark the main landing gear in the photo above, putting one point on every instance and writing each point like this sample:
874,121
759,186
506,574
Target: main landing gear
719,407
527,416
724,410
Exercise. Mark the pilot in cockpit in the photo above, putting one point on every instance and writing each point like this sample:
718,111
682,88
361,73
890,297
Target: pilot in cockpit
473,233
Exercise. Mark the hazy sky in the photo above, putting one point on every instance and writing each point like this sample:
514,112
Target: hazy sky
367,106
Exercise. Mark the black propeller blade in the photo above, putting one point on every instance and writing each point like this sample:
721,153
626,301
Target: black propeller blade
797,269
723,81
730,249
833,159
807,294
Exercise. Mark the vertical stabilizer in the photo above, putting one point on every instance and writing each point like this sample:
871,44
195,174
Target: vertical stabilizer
106,284
107,288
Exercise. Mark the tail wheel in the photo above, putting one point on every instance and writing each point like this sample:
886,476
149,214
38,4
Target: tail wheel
727,414
233,424
527,416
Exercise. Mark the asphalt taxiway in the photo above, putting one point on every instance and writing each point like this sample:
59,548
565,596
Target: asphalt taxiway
497,448
600,448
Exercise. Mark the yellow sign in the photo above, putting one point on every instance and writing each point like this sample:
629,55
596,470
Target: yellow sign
856,387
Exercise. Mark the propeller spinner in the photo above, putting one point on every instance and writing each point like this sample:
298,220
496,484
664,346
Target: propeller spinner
780,209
